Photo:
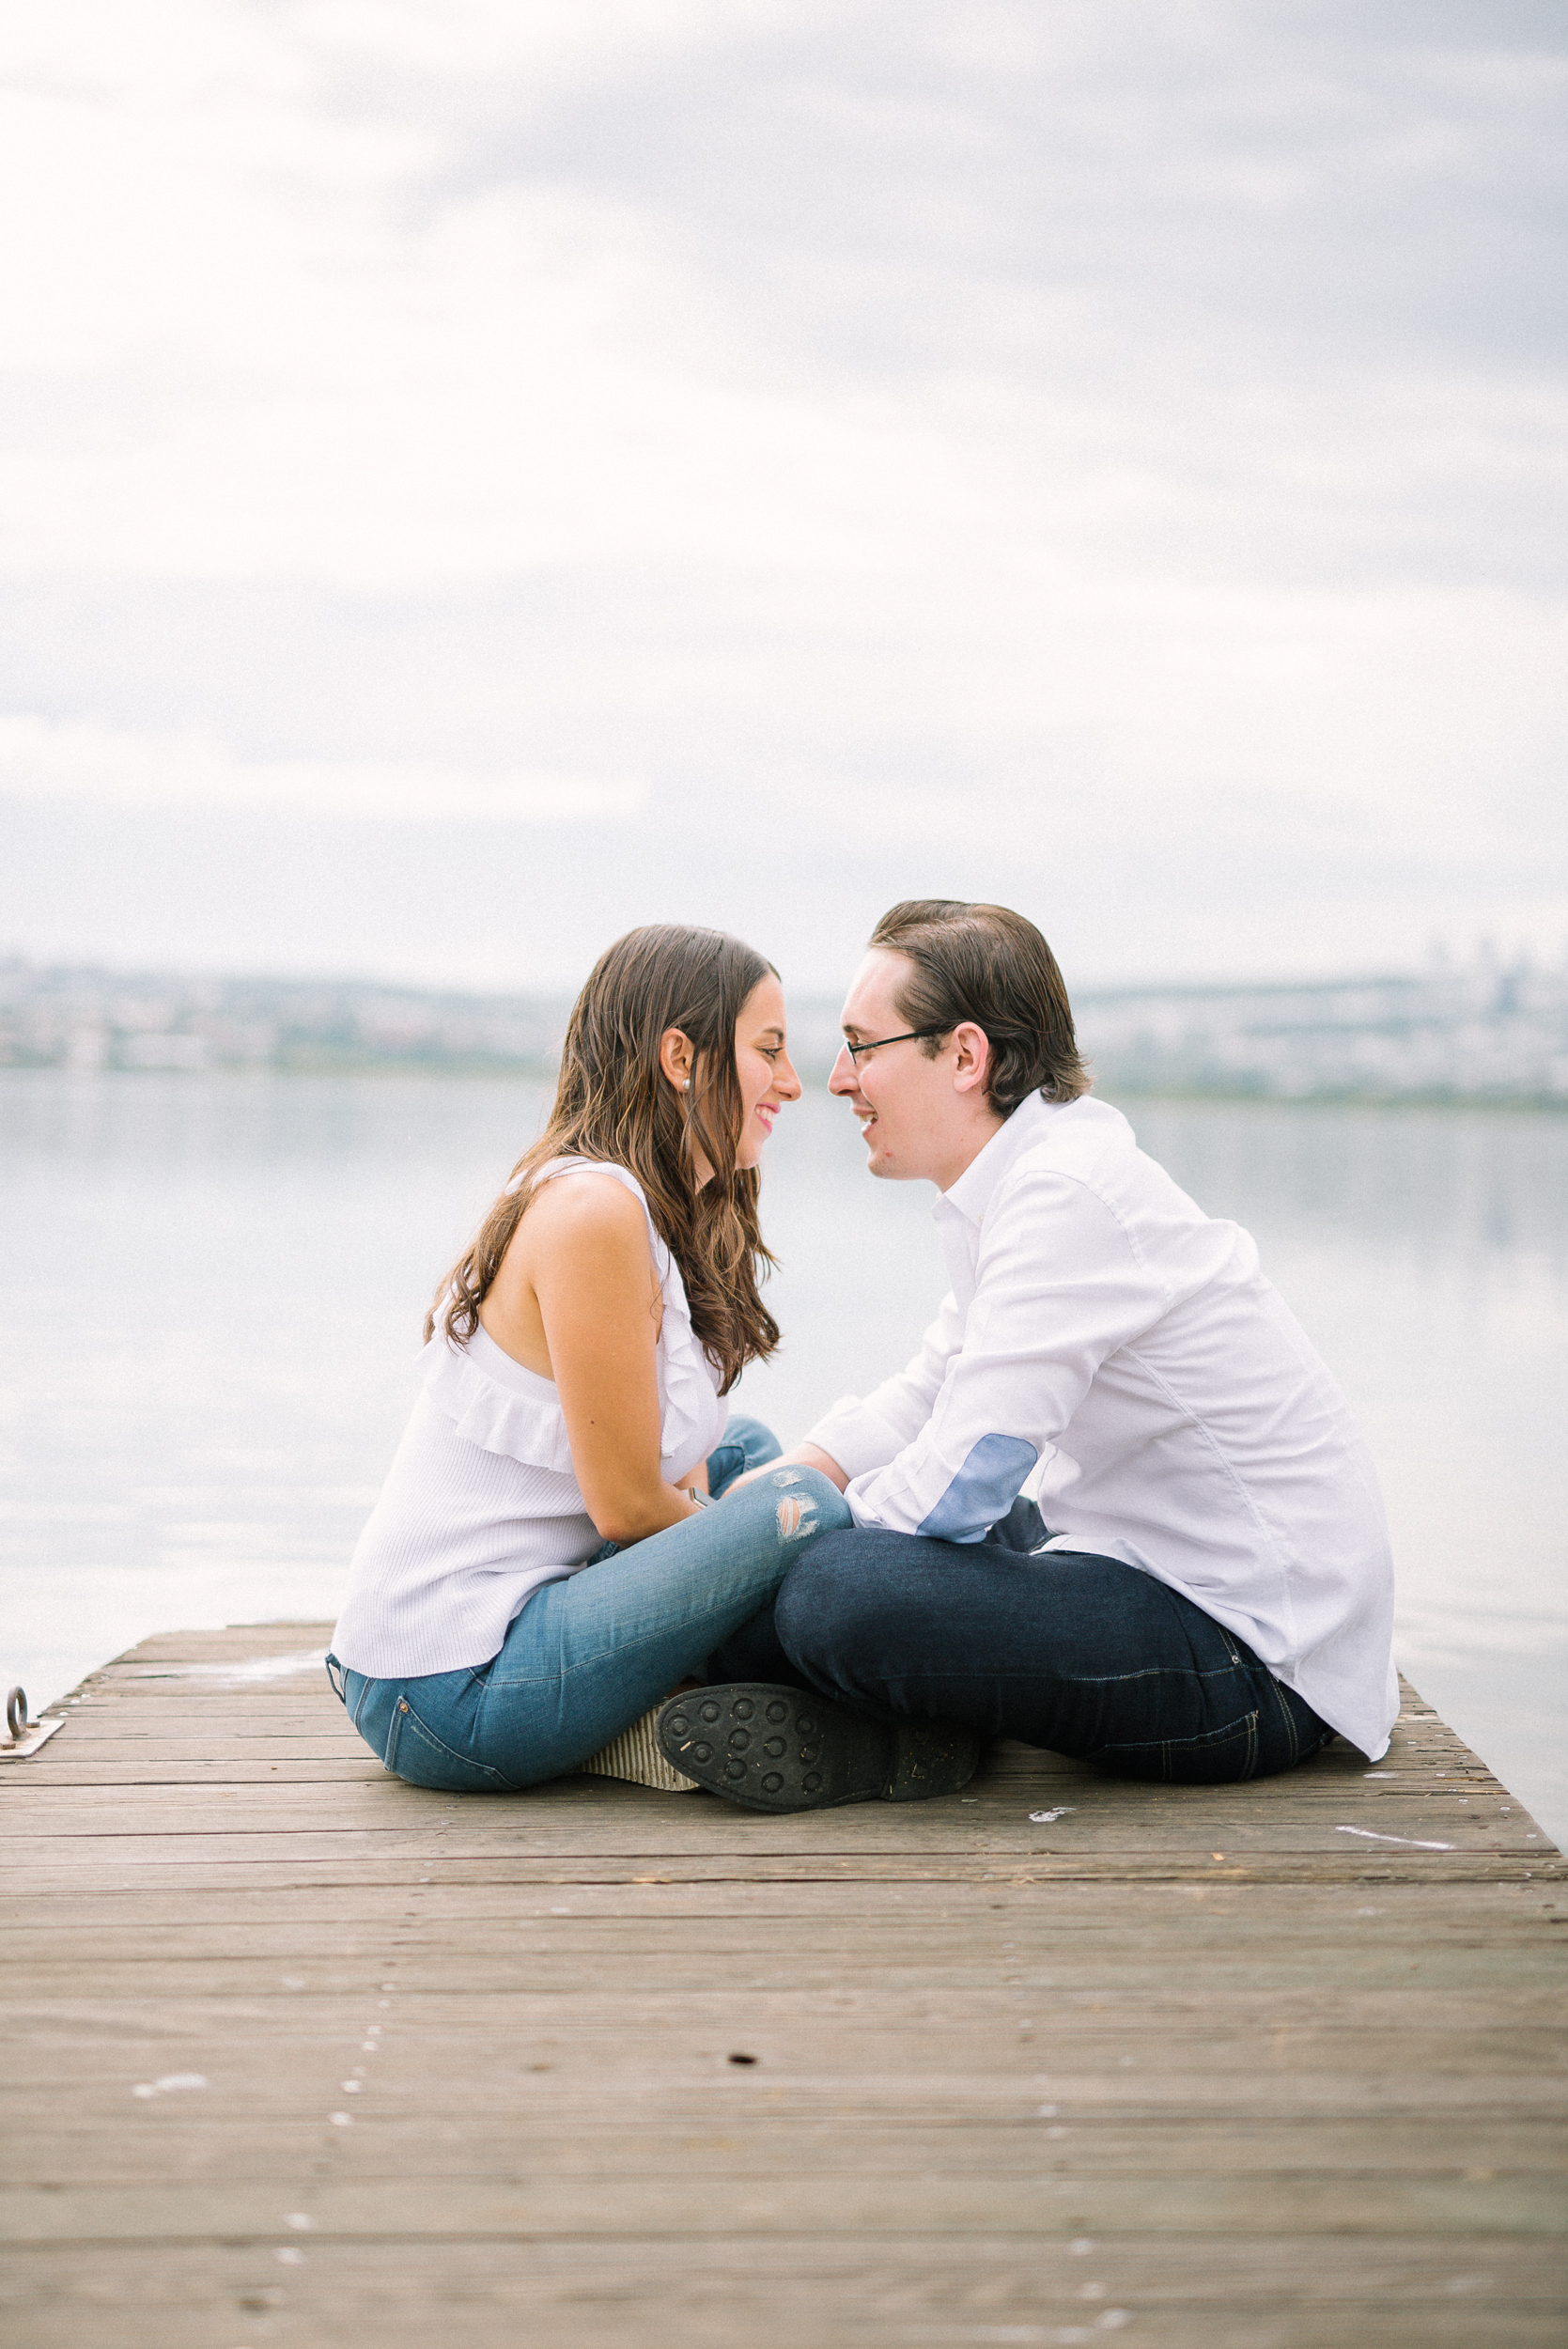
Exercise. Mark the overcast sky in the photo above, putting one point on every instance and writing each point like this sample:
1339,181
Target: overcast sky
478,474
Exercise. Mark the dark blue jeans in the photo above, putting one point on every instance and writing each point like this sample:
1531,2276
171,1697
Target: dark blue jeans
1079,1654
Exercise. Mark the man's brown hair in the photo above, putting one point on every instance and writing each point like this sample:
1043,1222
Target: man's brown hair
990,965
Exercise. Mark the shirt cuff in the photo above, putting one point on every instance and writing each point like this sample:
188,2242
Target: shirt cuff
873,1516
858,1438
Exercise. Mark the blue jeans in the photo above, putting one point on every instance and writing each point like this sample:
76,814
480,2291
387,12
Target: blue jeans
586,1657
1061,1649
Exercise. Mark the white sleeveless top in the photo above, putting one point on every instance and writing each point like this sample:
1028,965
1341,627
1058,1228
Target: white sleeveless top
482,1504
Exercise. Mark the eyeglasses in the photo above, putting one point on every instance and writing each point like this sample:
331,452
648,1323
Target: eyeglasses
910,1035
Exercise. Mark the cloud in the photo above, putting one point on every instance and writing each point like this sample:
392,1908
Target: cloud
418,294
1135,438
70,760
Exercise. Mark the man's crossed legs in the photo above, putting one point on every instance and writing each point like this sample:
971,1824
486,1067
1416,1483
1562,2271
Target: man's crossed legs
1079,1654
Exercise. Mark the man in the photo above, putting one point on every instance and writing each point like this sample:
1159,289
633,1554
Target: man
1200,1586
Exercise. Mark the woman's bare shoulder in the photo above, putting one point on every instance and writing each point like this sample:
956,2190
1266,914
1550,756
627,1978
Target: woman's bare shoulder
590,1204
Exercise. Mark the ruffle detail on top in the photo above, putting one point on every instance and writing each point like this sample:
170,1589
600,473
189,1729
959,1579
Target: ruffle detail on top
495,1403
520,1424
687,1382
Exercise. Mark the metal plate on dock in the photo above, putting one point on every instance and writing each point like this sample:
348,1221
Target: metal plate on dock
33,1736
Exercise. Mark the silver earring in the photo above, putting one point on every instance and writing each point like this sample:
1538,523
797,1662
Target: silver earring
686,1084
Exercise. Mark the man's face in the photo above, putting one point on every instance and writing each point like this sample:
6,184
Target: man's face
917,1127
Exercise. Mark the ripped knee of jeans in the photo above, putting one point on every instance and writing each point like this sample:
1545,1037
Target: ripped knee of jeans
796,1516
805,1503
796,1511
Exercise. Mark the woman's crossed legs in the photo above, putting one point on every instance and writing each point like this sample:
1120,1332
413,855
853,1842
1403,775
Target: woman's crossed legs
588,1655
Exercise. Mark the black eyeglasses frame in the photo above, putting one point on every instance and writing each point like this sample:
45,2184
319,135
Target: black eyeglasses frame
910,1035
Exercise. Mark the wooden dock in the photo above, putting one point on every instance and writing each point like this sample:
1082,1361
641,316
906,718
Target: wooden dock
297,2054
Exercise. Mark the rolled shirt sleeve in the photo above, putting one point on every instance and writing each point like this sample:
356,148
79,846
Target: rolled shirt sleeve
944,1449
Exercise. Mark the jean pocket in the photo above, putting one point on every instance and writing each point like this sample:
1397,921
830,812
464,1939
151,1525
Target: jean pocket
1218,1758
416,1755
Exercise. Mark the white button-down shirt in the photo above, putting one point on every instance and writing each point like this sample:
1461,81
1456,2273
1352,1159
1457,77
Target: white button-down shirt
1112,1350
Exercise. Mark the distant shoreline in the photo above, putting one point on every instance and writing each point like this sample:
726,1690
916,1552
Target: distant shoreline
527,1072
1483,1035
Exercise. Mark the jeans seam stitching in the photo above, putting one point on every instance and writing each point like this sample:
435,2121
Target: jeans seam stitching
404,1713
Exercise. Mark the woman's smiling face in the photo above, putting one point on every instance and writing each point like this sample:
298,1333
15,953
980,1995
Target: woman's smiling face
762,1065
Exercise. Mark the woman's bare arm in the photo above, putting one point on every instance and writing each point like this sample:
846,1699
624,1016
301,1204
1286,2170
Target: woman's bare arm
576,1299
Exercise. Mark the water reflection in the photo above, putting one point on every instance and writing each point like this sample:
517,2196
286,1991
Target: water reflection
1428,1183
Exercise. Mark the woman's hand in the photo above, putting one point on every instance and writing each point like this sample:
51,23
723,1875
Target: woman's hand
577,1299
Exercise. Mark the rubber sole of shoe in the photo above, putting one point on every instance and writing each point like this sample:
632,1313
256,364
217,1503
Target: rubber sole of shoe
774,1749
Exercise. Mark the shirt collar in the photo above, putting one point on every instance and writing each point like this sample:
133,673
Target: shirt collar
972,1194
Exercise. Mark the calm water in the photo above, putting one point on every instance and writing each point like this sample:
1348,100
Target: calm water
212,1290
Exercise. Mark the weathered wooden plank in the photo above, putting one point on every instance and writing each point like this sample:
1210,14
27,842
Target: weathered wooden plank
839,1901
99,2146
390,1872
687,1824
555,2088
588,1814
1306,2017
162,1972
1252,2274
1279,2294
585,1816
870,2202
887,2074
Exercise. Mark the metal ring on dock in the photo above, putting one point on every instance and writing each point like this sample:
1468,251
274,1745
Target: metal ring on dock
16,1715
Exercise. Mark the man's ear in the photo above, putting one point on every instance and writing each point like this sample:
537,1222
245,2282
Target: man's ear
677,1058
974,1057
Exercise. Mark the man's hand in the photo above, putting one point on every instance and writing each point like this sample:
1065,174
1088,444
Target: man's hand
804,1455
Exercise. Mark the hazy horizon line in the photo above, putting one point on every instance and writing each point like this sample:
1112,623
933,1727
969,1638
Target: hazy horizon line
1483,958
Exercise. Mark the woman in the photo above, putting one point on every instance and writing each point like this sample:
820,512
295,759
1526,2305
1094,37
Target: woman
543,1566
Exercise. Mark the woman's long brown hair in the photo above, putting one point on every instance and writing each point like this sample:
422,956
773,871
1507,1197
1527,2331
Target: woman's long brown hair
615,1103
